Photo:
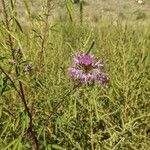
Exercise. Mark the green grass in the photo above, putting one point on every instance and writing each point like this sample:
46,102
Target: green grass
93,118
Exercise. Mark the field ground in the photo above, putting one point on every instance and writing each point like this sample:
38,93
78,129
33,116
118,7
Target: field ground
129,10
88,117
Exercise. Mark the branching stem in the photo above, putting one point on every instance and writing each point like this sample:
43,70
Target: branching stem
20,91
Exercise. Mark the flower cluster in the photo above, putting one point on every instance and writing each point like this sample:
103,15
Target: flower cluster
84,69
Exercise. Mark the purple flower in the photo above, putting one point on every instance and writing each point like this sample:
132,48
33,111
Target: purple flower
85,70
28,68
86,60
103,79
83,59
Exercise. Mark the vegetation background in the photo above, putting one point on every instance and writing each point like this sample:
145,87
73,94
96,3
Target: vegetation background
40,105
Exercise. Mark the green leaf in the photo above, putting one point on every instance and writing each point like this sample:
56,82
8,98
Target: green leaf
10,144
4,85
92,45
71,48
17,145
13,36
18,25
57,147
88,39
69,9
15,126
12,4
7,125
81,11
2,57
26,3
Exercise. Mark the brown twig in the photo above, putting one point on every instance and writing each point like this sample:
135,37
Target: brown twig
9,78
22,96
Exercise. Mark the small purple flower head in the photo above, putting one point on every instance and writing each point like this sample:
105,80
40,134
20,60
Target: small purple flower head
14,62
86,60
82,59
103,79
85,70
28,68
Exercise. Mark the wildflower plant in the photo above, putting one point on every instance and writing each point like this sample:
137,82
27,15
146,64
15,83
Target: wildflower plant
86,70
